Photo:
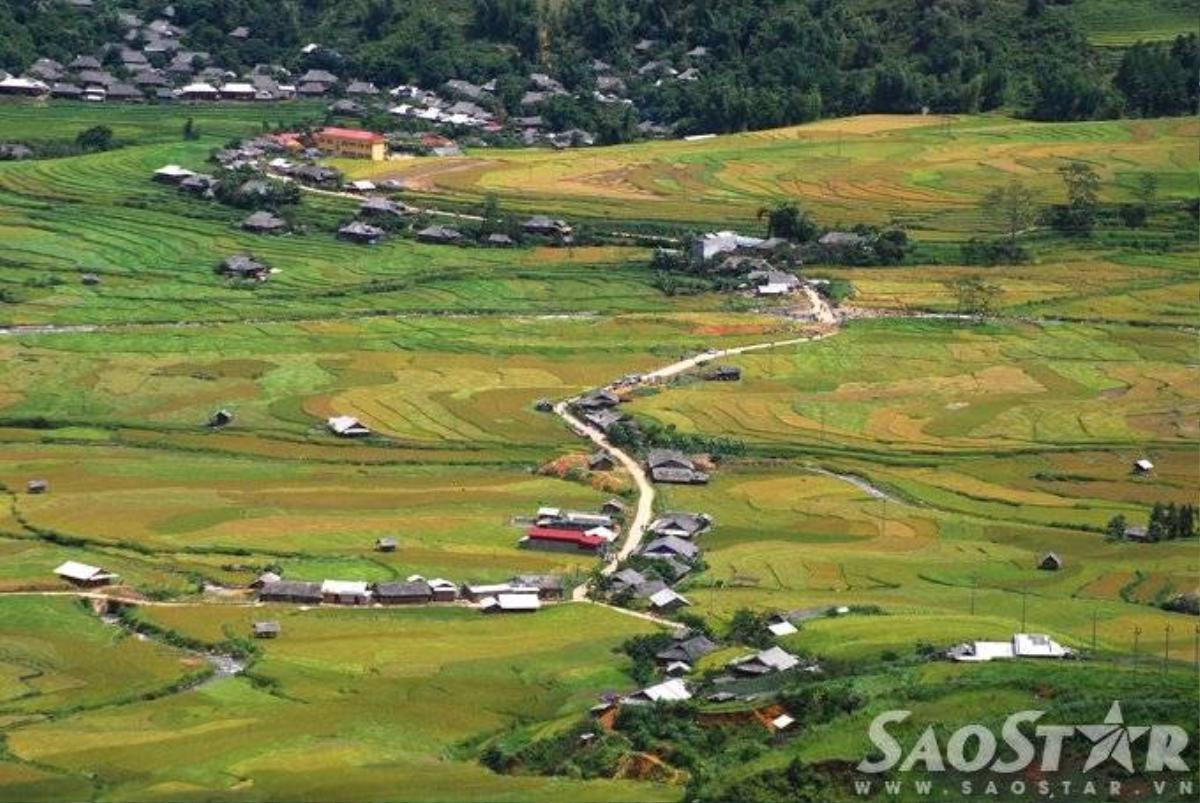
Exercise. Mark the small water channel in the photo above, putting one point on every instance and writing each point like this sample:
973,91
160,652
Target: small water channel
224,665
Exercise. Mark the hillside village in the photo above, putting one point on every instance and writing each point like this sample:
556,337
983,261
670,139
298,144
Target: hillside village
151,64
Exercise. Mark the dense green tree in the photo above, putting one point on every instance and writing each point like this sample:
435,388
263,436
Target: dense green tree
788,220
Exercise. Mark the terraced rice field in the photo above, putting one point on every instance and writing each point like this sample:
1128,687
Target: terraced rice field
992,444
925,172
345,704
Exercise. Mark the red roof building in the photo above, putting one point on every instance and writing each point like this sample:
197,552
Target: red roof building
353,143
553,537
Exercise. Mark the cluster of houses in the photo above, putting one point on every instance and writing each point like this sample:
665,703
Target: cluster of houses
557,530
290,157
680,659
520,595
729,253
151,63
671,466
665,559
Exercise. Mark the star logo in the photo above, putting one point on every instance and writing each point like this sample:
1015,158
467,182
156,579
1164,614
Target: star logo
1111,739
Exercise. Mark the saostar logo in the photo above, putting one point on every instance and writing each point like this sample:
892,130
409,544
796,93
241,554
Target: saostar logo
974,747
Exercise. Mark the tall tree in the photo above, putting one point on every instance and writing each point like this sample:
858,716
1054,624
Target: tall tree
1083,197
1011,208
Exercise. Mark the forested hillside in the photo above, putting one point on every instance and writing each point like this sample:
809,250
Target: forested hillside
749,63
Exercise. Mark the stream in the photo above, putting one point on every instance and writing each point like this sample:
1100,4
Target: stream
224,665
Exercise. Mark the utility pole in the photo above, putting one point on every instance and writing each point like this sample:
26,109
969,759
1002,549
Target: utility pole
1137,631
1166,646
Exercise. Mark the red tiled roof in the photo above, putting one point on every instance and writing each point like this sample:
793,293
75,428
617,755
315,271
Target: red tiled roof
580,539
356,134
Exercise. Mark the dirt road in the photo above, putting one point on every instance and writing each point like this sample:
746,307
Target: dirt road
645,503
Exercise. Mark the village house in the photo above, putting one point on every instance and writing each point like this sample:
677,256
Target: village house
220,418
238,90
603,420
540,225
316,175
780,626
265,578
264,223
497,240
674,690
199,91
376,206
707,246
625,579
245,267
362,89
172,174
1050,562
1137,534
416,592
24,87
764,662
549,586
724,373
443,590
840,239
358,232
687,648
352,143
37,486
773,282
480,592
671,546
1143,466
443,235
666,600
598,400
1022,645
510,603
385,545
557,539
345,426
683,525
84,575
268,629
600,461
291,591
613,508
66,91
345,592
672,466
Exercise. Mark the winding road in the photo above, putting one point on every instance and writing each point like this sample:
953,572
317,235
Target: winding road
645,503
